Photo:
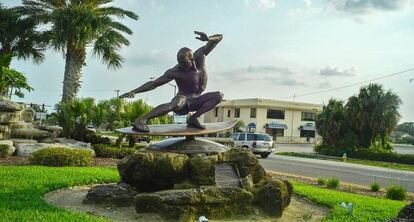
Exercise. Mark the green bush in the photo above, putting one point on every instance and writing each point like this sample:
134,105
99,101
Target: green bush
332,183
140,146
3,150
58,156
396,192
384,156
107,151
321,181
375,187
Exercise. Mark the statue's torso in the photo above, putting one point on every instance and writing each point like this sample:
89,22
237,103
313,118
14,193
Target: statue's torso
193,82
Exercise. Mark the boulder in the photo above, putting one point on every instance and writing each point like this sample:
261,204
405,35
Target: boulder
153,171
28,115
9,145
72,142
30,133
273,195
202,169
9,117
118,194
188,204
19,141
246,162
9,106
407,212
26,149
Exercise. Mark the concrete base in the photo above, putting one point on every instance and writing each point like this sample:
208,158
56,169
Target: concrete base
188,145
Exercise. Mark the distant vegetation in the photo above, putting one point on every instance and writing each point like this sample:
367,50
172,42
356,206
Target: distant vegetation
364,122
404,133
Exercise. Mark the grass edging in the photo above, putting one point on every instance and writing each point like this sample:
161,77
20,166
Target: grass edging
365,208
397,166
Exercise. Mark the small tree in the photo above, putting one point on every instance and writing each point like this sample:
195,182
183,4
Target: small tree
12,82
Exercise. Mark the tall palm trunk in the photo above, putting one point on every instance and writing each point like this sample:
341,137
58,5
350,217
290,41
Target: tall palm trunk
75,58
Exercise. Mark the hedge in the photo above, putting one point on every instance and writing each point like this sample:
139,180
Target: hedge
58,157
383,156
108,151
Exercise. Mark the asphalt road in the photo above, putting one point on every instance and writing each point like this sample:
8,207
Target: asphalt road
345,172
307,148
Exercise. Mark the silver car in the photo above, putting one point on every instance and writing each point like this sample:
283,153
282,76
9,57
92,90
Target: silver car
259,143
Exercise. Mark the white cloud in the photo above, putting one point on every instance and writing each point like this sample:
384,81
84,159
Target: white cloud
261,4
330,71
307,3
358,7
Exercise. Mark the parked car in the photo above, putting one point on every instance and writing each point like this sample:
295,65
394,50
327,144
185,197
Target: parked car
260,143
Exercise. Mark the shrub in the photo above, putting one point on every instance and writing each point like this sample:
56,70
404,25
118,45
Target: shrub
332,183
107,151
384,156
375,187
94,138
396,192
58,156
321,181
139,146
3,150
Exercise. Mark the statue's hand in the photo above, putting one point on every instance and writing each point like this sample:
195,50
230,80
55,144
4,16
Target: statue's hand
202,36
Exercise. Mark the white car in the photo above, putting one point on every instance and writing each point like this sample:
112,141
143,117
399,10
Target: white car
259,143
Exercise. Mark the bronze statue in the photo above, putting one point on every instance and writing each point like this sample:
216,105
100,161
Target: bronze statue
190,75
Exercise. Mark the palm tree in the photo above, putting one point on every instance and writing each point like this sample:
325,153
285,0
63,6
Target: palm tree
76,24
373,114
19,37
330,123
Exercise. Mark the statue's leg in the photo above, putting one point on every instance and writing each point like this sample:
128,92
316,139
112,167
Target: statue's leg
176,104
201,105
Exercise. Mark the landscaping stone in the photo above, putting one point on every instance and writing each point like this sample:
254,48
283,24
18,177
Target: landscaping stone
19,141
407,212
153,171
119,194
9,106
201,169
10,146
26,149
9,117
273,195
28,115
29,133
187,205
72,142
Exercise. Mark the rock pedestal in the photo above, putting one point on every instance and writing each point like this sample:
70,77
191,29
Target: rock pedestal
185,186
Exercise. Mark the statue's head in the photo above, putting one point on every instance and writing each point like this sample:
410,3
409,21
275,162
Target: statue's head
185,58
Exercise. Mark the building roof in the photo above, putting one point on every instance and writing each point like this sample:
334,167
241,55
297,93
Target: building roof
271,103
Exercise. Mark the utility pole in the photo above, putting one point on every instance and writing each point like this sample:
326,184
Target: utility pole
117,93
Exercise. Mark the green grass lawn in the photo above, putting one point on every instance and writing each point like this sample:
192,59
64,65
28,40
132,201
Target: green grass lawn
365,208
357,161
22,189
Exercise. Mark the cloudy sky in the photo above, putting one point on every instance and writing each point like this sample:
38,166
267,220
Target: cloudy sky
271,49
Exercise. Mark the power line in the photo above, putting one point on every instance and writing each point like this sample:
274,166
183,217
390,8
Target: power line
348,85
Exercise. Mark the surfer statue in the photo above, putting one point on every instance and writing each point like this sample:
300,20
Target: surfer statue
190,75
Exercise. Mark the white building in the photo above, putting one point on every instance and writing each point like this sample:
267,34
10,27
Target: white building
285,121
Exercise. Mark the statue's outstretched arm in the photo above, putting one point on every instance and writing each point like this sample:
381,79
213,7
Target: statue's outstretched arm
212,41
150,85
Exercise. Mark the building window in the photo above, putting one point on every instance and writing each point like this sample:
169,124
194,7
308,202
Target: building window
216,112
307,133
275,114
228,113
252,112
237,113
307,116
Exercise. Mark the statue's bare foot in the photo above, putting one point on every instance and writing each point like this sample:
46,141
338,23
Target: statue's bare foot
193,122
141,125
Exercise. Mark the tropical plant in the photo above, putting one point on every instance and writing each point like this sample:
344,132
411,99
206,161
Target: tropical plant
19,36
11,81
74,25
373,114
406,127
330,123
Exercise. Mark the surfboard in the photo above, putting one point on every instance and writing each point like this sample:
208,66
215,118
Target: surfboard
180,129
